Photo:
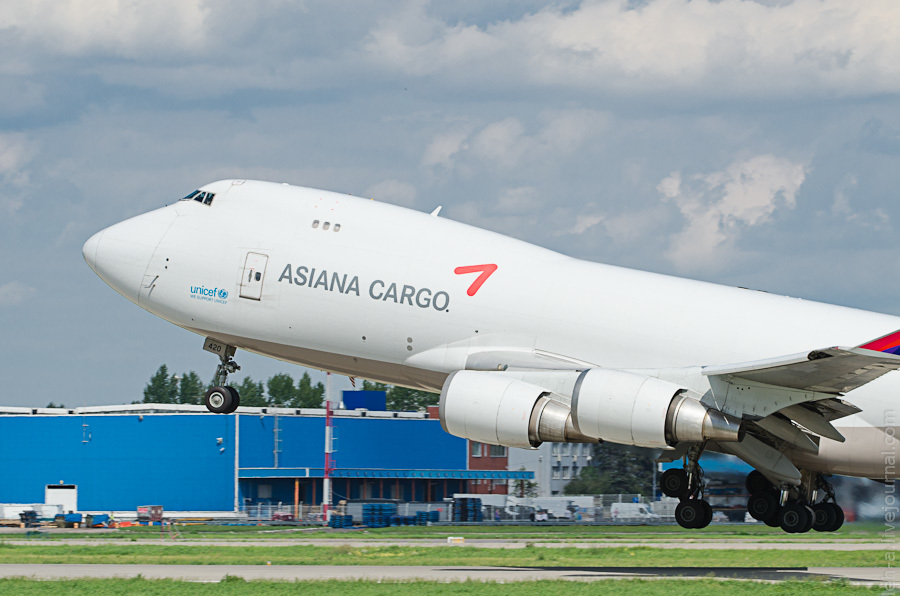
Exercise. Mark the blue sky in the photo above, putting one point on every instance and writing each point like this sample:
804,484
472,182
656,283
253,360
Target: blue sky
746,143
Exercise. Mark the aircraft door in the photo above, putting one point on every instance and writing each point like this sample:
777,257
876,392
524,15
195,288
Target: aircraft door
254,275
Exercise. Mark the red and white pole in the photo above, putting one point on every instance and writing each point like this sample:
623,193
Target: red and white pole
329,461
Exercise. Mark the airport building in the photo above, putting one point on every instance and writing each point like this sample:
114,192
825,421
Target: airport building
186,459
553,465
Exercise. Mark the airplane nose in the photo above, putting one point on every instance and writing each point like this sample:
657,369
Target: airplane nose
89,250
121,253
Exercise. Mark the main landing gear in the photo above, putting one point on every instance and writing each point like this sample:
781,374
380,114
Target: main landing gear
222,399
686,484
790,508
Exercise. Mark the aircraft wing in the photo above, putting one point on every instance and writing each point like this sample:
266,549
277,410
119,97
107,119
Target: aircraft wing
831,370
792,400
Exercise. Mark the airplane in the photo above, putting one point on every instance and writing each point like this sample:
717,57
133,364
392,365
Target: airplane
524,344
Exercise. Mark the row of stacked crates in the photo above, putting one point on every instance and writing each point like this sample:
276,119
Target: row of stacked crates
403,520
378,515
423,518
340,521
467,510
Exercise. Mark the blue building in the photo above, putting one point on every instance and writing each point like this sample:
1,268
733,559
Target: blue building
186,459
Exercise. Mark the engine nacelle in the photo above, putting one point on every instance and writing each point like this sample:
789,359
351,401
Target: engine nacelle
492,408
632,409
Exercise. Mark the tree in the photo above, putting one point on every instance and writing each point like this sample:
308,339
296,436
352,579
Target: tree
252,394
53,405
281,390
162,388
190,389
308,395
402,398
370,386
588,482
405,399
524,487
615,469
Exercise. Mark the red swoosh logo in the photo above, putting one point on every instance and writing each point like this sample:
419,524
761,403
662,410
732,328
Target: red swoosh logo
485,270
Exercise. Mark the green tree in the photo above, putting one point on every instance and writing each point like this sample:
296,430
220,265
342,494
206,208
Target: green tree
53,405
162,388
252,393
281,390
308,395
402,398
588,482
370,386
615,469
191,389
405,399
525,487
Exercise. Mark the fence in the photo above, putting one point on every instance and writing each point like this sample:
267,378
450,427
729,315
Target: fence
575,508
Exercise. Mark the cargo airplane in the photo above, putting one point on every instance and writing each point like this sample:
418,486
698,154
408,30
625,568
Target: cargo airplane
525,345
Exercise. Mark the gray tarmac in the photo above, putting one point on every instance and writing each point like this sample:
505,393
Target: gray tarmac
215,573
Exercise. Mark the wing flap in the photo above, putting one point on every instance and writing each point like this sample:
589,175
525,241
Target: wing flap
832,370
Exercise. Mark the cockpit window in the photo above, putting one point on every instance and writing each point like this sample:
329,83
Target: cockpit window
201,197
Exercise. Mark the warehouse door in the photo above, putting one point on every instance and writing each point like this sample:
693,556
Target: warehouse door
254,275
62,494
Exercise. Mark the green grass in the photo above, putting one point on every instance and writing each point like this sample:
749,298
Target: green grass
233,586
757,532
182,554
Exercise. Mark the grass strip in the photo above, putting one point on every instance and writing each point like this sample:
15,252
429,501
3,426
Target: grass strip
235,586
177,554
851,531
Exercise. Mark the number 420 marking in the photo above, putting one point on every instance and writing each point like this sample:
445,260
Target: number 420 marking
485,270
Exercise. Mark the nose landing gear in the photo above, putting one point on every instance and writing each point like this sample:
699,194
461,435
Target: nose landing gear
222,399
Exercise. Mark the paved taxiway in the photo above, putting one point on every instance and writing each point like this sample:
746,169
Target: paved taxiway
215,573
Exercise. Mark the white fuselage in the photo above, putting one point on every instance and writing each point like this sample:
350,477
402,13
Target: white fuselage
376,295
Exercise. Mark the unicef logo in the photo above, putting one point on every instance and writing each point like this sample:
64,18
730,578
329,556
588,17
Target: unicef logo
223,294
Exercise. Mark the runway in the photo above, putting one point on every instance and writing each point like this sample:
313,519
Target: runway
214,573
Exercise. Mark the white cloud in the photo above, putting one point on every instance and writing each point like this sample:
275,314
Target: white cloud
392,191
14,292
502,142
15,154
522,199
719,205
111,26
441,150
841,208
507,144
583,223
730,47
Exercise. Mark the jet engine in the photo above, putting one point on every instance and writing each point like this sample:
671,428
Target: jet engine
492,408
608,405
633,409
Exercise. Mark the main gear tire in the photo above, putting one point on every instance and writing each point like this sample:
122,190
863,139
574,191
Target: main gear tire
674,483
690,514
757,483
824,517
762,506
795,517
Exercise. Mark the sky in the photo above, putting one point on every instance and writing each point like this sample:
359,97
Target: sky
745,142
